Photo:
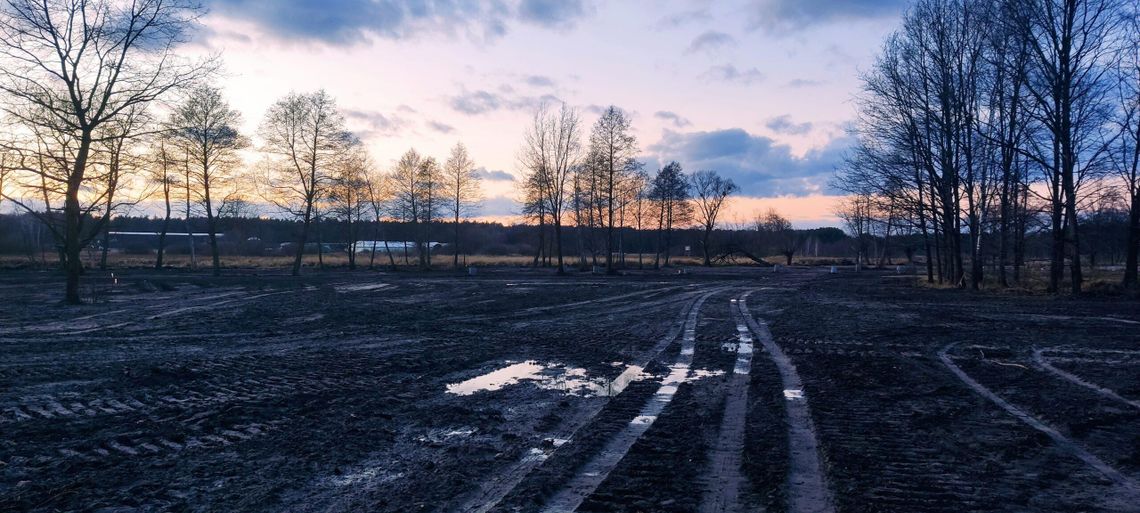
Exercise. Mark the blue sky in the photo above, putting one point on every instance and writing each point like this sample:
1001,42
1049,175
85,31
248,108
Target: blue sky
759,90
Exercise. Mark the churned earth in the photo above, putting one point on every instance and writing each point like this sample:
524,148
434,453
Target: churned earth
730,389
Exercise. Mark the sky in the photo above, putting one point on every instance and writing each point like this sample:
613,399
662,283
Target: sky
758,90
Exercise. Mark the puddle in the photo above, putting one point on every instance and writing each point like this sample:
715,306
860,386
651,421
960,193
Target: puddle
703,373
643,419
498,379
361,287
550,376
371,475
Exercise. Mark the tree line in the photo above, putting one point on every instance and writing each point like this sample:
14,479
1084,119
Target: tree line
599,187
985,121
101,112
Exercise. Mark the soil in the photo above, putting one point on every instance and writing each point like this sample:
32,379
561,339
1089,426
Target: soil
177,391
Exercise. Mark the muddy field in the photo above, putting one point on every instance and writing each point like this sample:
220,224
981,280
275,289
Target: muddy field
519,391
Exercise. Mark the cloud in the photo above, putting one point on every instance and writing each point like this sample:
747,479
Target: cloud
476,102
539,81
375,123
595,109
784,16
347,22
499,206
553,13
440,127
784,125
482,101
759,165
673,117
683,18
800,83
710,41
729,73
494,175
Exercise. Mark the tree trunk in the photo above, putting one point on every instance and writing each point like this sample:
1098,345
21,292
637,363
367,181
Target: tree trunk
455,260
73,221
1130,261
558,243
705,247
165,227
304,238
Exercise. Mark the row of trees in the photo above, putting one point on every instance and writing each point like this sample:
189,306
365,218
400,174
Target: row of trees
601,187
100,112
991,118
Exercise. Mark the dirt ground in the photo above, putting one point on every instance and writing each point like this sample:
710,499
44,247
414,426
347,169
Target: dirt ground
731,389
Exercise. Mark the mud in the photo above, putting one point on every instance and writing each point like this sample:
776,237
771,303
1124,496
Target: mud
184,392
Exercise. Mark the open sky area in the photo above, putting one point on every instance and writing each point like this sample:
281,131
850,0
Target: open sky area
758,90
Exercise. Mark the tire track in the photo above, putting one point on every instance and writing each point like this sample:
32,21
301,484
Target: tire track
587,479
807,484
726,478
492,492
1128,489
134,447
1042,362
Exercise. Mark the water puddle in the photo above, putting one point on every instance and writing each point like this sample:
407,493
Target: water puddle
361,287
372,475
440,436
550,376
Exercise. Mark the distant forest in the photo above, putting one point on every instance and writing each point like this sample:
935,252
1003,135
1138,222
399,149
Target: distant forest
23,235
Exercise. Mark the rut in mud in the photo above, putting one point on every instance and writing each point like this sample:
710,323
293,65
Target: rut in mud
724,479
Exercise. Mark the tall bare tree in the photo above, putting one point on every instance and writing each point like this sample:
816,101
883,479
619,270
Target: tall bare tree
348,195
671,192
1126,153
163,177
206,128
304,138
1069,87
463,190
550,153
710,191
69,67
616,150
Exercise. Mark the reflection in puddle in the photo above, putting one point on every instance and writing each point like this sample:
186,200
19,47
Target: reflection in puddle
550,376
371,475
361,287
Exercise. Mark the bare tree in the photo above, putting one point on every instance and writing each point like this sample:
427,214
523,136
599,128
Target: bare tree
417,197
856,211
431,203
304,137
616,151
379,189
787,241
207,129
70,67
162,176
710,191
670,191
1126,154
463,190
348,195
117,156
1070,43
550,153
